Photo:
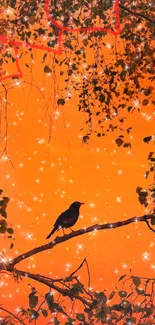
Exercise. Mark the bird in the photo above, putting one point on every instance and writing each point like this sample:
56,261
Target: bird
67,219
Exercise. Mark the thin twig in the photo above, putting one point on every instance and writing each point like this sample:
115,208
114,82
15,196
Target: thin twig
88,273
5,137
13,315
80,266
53,286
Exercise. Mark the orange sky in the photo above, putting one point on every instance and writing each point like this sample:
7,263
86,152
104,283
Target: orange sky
49,177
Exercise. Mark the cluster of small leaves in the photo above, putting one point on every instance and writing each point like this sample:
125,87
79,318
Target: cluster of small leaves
28,23
133,303
110,89
147,196
73,14
40,305
3,205
126,307
4,227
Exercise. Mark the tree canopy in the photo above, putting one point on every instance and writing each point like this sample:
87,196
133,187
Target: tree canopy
103,51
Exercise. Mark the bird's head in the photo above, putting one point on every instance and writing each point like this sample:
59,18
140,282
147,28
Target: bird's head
76,204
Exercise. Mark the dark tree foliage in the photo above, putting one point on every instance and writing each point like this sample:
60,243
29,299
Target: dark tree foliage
112,74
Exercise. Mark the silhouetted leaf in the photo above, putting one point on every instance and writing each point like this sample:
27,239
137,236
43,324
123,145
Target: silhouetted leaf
142,199
122,294
59,308
49,300
10,230
145,102
33,300
138,189
61,101
34,314
77,287
147,139
11,246
47,69
112,295
80,317
44,312
146,174
3,226
136,280
85,139
100,296
150,155
122,277
137,308
119,142
3,213
140,291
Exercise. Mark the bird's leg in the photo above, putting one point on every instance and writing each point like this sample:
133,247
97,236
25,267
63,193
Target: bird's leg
71,229
63,231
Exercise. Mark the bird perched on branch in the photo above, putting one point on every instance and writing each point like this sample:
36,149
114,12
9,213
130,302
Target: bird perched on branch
67,219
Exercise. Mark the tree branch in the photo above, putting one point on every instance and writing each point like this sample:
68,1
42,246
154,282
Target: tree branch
10,313
149,226
137,14
51,285
59,240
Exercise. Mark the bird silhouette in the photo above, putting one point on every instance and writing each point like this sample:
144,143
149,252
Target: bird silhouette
67,219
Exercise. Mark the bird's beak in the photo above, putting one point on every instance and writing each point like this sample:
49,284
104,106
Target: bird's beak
82,203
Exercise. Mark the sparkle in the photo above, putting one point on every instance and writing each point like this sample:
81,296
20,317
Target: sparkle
41,141
29,236
124,265
68,266
146,256
21,165
17,83
136,103
37,181
108,46
91,205
118,199
116,271
80,247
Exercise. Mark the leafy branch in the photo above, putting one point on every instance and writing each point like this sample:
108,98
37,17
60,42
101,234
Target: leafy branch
133,305
13,316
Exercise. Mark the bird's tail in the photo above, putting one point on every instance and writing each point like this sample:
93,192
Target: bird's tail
52,232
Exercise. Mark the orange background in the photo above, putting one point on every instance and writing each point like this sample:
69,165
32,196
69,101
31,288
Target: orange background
49,177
